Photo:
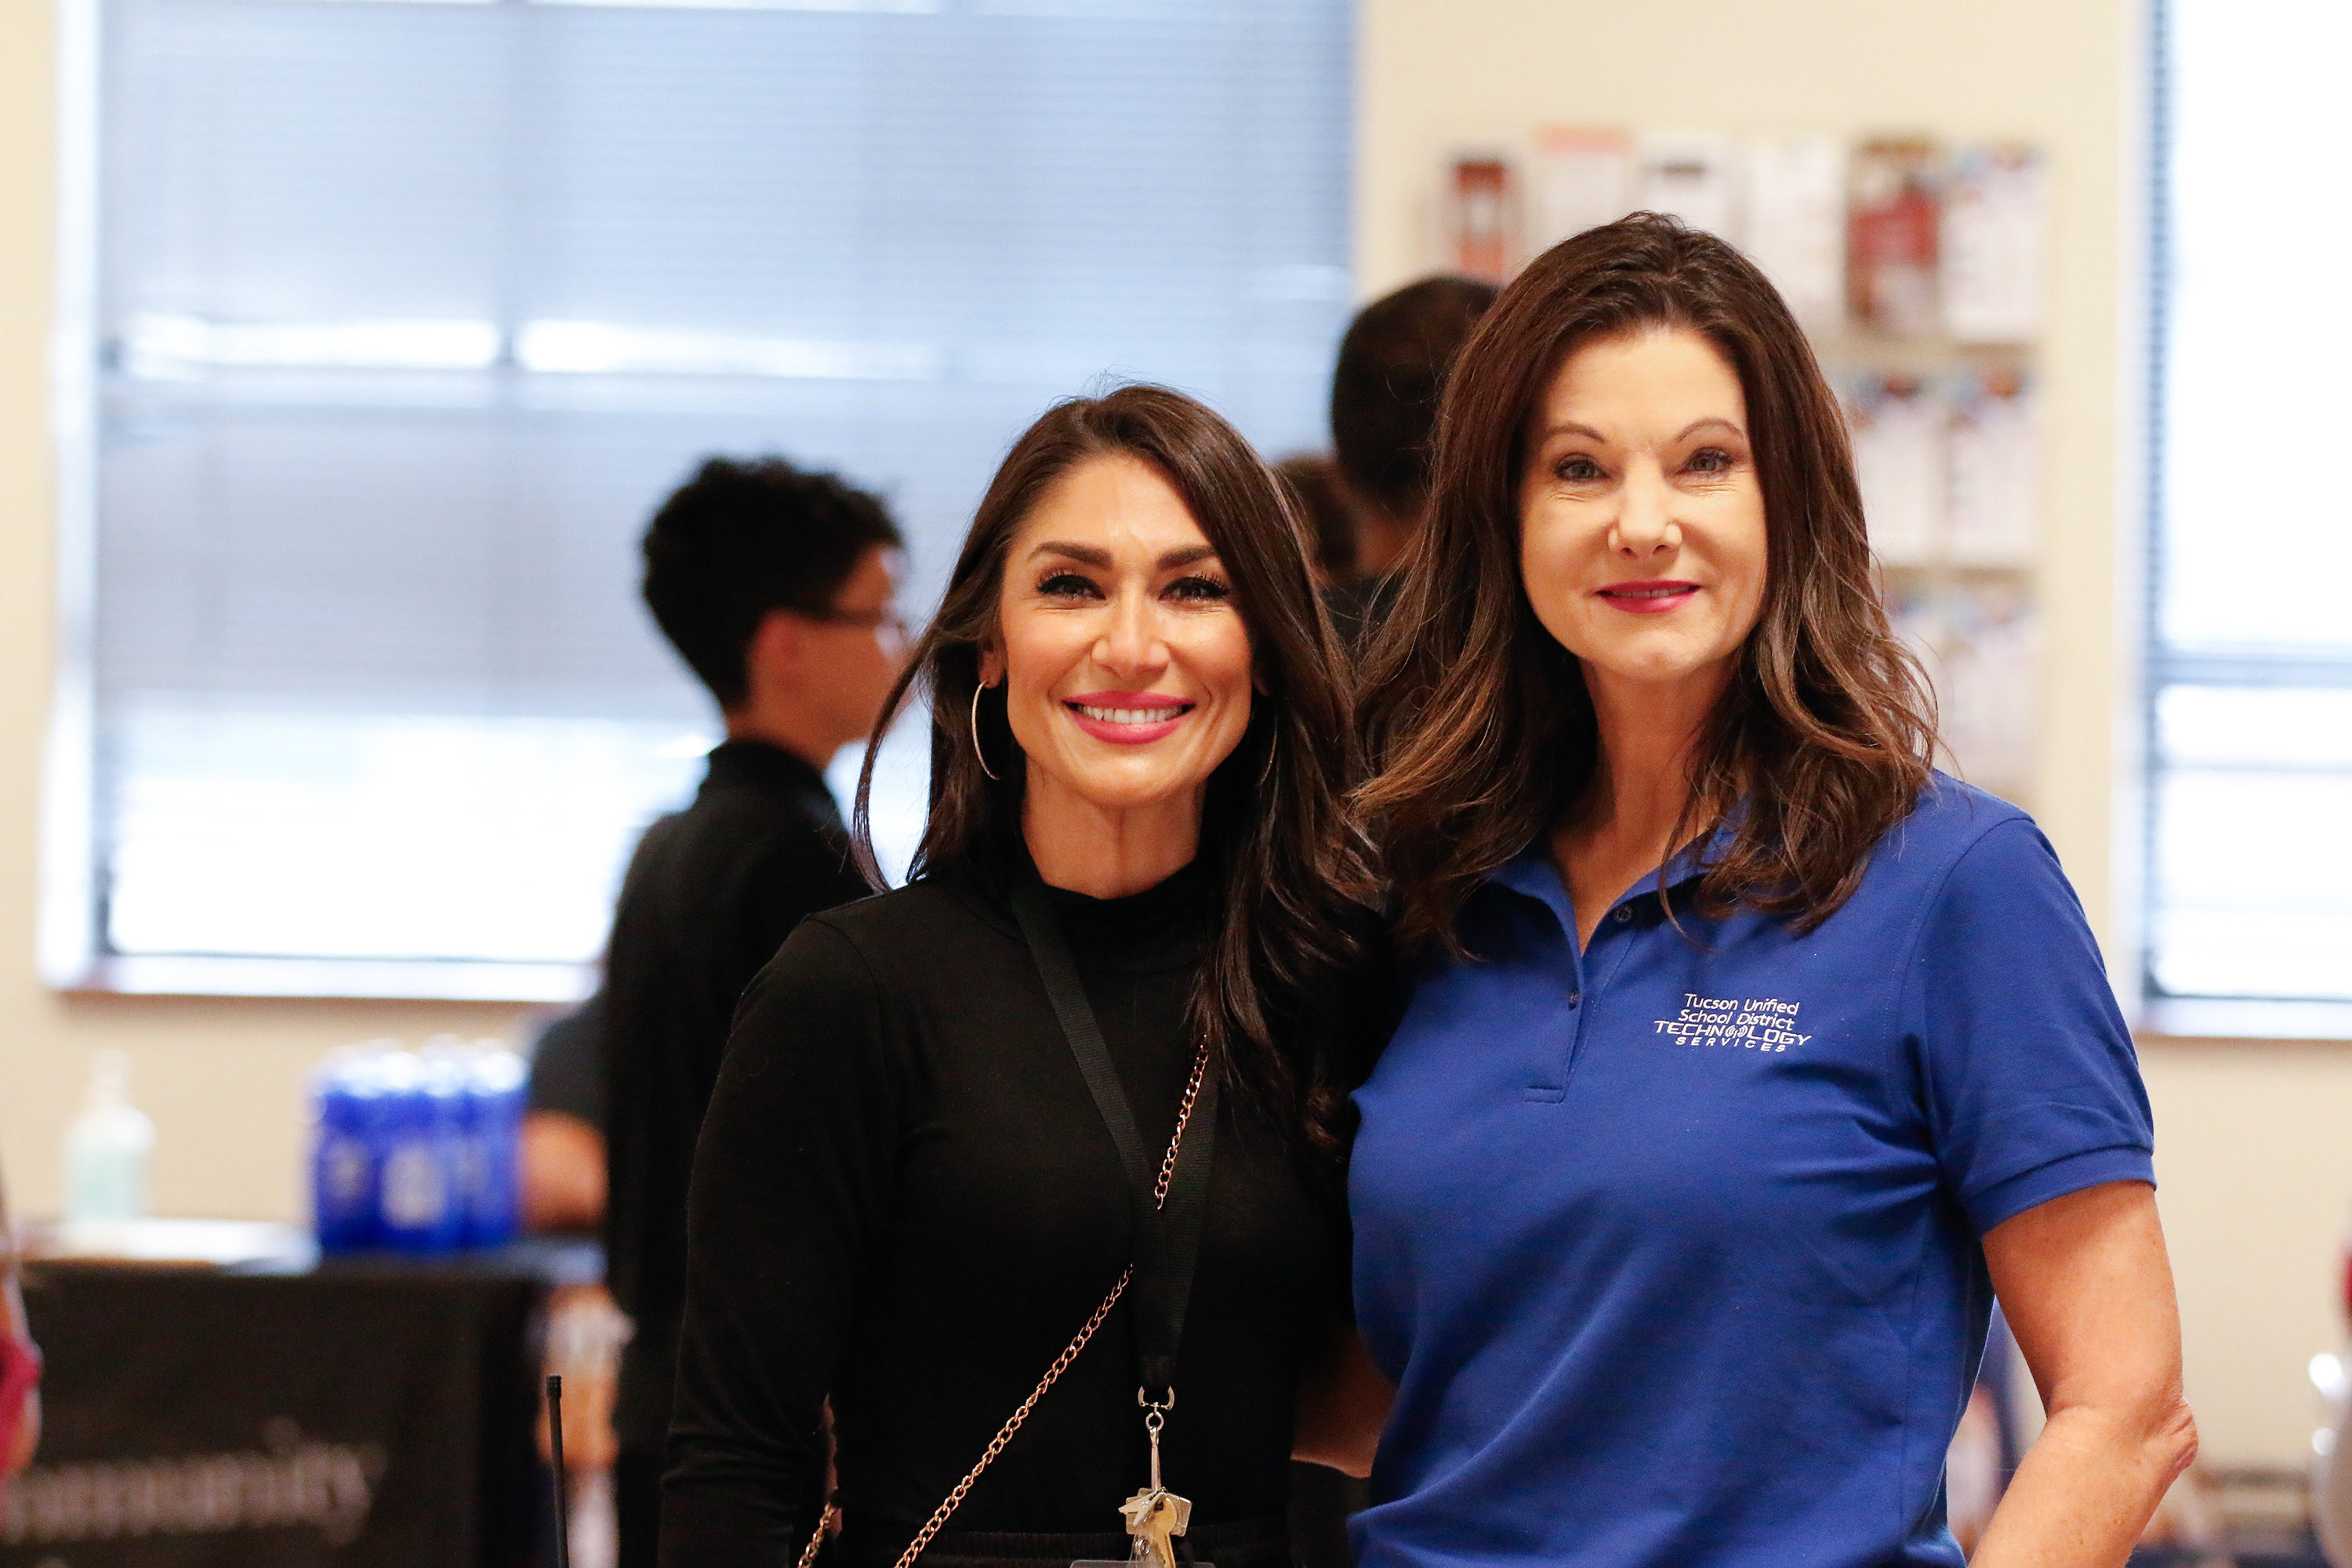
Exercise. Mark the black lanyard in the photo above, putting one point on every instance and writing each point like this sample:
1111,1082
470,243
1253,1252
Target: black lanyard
1167,1236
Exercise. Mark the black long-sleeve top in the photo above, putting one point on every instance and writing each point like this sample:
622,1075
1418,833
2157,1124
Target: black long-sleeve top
710,895
905,1199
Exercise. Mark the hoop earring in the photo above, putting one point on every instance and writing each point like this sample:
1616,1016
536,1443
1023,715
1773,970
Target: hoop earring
979,754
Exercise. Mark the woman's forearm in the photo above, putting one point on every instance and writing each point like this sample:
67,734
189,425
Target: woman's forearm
2088,1292
2086,1489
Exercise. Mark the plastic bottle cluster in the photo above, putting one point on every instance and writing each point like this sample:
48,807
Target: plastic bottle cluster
416,1150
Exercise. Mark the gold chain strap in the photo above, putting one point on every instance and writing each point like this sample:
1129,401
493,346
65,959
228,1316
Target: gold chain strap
1053,1374
823,1523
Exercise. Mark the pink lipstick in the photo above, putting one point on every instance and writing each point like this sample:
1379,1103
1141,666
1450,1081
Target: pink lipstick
1128,718
1653,597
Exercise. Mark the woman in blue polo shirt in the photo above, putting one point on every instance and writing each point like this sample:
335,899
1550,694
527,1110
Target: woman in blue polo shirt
1750,1059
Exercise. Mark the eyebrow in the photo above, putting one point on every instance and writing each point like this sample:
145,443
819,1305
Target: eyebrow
1095,556
1571,427
1698,425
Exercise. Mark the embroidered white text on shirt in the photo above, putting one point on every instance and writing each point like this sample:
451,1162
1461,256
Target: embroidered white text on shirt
1756,1023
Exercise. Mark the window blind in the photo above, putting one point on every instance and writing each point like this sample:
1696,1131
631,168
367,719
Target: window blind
410,313
2250,738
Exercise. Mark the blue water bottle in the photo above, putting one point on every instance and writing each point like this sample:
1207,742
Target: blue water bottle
346,1104
421,1204
497,1081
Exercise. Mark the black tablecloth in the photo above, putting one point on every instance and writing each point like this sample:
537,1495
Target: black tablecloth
369,1414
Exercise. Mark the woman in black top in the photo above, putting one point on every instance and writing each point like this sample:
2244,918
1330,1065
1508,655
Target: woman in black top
908,1198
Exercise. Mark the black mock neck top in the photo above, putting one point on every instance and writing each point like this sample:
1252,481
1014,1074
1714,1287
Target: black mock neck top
905,1201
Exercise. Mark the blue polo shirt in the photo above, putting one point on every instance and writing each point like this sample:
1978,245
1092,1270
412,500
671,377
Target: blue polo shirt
1672,1247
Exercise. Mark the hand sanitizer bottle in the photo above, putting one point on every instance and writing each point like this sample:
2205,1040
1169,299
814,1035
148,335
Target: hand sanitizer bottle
107,1148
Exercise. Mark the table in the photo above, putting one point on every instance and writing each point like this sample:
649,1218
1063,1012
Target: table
369,1412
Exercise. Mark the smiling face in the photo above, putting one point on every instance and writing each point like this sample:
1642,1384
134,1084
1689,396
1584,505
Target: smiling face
1126,660
1642,540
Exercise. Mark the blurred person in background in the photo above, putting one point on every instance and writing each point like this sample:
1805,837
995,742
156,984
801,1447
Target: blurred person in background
1680,1209
1385,396
20,1364
1314,482
1136,942
778,587
562,1176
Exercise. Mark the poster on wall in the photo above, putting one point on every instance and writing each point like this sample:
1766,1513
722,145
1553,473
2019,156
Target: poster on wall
1583,177
1899,454
1986,699
1978,644
1996,218
1996,478
1480,218
1794,222
1689,174
1892,237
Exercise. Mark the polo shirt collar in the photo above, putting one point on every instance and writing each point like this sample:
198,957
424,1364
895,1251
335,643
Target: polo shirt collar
1532,874
1690,864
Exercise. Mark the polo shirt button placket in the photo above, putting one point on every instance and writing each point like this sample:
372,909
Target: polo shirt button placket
1624,913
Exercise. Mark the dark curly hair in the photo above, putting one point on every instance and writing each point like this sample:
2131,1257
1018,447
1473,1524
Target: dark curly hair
745,536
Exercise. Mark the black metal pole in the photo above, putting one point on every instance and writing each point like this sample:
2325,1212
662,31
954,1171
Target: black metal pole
562,1485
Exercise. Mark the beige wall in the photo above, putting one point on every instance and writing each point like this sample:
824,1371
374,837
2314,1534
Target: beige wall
2256,1164
2254,1171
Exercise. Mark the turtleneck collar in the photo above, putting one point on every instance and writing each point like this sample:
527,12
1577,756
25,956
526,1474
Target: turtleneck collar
1165,926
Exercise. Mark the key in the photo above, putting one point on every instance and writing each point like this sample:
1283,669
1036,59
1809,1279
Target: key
1155,1515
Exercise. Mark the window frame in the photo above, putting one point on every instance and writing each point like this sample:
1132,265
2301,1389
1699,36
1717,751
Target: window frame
2161,1013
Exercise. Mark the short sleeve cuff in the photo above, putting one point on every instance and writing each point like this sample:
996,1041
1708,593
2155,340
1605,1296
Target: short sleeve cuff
2007,1199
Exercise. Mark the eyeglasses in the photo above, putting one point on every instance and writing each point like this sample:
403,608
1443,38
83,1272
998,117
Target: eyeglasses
866,620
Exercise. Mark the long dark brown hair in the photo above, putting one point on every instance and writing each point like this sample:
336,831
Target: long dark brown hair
1283,852
1481,728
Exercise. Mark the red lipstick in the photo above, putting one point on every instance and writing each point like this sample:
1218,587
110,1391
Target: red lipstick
1654,597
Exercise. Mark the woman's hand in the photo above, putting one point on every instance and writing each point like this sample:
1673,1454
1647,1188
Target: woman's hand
2087,1290
1343,1401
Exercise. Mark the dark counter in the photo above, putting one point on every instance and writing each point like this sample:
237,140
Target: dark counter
370,1412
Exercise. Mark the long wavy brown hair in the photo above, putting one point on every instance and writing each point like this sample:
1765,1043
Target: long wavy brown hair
1481,728
1296,915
